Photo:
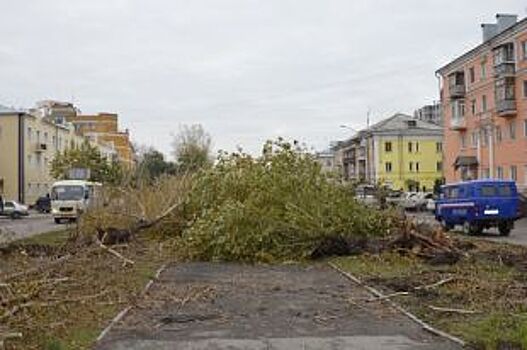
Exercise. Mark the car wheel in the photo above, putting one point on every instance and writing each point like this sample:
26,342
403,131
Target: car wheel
15,215
446,226
504,228
57,221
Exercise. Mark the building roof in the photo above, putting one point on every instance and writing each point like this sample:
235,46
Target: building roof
398,125
399,122
9,110
520,25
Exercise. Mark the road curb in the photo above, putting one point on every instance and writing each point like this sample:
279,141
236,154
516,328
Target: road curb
125,311
397,307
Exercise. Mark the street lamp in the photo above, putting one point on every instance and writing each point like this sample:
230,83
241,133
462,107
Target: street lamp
348,127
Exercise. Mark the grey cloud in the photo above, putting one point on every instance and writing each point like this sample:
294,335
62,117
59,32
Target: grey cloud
246,69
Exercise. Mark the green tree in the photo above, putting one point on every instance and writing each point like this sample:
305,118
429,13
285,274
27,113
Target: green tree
192,148
153,164
88,157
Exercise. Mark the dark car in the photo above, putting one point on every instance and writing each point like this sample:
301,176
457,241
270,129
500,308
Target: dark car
43,204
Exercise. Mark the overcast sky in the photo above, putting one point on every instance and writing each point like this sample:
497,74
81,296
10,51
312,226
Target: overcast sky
247,70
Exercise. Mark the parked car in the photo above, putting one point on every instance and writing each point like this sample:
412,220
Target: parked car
431,204
43,204
14,210
478,205
366,195
395,198
417,200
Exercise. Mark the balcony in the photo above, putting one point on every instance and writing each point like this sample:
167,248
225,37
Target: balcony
456,85
362,153
41,147
457,91
506,69
458,124
506,108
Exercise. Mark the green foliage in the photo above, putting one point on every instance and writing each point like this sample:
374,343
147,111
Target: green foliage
89,157
192,147
499,331
153,165
279,206
437,185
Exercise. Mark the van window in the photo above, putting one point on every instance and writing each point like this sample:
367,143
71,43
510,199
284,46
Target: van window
452,192
488,191
505,191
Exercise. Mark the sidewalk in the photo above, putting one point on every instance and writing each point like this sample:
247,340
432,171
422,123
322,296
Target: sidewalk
230,306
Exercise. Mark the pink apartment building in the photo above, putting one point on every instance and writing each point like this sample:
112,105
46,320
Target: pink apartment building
484,101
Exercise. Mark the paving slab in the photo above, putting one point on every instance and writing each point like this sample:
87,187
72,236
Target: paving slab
232,306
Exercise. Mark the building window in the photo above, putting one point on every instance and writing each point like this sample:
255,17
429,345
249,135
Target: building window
387,146
29,133
524,49
417,146
474,139
439,166
463,140
38,135
512,130
484,137
439,147
499,172
514,172
525,88
525,128
409,147
417,166
473,107
498,133
388,167
483,70
484,103
411,166
471,74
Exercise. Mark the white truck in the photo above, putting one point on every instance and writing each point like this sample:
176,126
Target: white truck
70,198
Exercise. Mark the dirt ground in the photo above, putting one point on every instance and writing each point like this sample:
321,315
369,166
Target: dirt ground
229,306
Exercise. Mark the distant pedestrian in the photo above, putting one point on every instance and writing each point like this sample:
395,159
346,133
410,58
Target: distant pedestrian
1,203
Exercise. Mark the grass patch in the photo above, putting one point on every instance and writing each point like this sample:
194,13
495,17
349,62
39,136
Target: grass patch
73,312
490,282
53,238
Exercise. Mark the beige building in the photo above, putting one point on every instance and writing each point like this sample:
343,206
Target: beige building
28,143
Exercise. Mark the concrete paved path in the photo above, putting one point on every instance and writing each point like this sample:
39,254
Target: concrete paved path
228,306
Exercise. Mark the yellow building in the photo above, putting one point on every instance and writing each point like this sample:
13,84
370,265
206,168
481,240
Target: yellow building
105,127
28,143
400,151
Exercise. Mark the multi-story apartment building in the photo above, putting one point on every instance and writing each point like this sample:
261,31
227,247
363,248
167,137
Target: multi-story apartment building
326,159
105,127
28,143
430,113
484,99
401,152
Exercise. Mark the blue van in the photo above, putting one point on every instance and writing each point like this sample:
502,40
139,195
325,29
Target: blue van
478,205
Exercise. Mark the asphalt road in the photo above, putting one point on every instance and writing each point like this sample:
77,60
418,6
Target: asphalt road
26,227
255,307
517,236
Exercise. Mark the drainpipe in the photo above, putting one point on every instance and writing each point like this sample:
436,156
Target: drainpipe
491,151
21,159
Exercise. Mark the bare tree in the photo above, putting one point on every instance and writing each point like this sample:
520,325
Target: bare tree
192,148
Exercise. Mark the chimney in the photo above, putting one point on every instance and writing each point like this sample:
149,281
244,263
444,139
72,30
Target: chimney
505,21
489,30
